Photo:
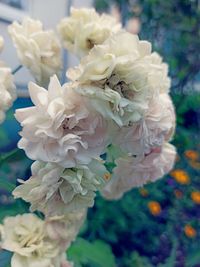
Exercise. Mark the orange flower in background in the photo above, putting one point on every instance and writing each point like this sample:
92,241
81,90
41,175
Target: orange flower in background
191,154
177,157
180,176
195,196
178,193
190,231
144,192
154,208
194,164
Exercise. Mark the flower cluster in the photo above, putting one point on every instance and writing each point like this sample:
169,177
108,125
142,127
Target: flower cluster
27,236
62,127
94,29
55,190
38,50
107,129
7,87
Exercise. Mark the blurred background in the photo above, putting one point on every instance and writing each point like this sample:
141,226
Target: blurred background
159,224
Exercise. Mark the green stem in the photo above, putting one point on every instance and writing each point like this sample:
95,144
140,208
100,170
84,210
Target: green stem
8,155
6,185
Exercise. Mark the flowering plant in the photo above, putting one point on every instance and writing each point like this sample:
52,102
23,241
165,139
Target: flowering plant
108,129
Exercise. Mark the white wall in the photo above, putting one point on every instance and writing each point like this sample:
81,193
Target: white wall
82,3
48,11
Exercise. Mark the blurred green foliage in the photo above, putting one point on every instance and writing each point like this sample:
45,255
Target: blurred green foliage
138,238
96,254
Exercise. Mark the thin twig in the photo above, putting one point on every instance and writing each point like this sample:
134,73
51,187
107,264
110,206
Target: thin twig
16,69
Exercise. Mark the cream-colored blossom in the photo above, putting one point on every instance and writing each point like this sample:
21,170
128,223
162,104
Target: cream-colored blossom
7,90
1,43
64,229
57,191
153,130
38,50
26,237
122,76
62,127
85,28
133,172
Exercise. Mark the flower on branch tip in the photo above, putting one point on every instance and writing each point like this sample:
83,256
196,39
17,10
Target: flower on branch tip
84,29
55,190
7,90
25,235
38,50
152,131
133,172
1,43
62,127
121,76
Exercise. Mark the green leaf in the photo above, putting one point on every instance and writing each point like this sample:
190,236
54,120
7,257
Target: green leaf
12,156
94,254
193,258
138,261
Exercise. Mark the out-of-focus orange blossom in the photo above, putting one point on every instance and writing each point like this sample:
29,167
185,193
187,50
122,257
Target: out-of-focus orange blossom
191,154
178,193
154,208
180,176
190,231
194,164
143,192
195,196
177,157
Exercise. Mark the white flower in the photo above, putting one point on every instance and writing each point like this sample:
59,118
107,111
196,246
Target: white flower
62,127
153,130
57,191
122,75
1,43
38,50
25,236
133,172
86,28
7,90
111,105
64,229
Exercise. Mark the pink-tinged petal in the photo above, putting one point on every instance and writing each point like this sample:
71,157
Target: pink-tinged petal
54,89
38,94
66,130
156,127
130,173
